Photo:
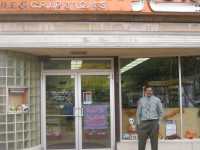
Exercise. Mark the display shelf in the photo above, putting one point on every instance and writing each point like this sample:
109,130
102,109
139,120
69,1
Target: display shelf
18,99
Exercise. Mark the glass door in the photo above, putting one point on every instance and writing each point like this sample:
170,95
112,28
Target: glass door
60,112
79,113
96,120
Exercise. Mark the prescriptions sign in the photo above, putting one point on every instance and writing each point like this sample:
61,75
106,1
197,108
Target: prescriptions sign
97,6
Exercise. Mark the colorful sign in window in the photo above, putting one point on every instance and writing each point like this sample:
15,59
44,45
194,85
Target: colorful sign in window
95,117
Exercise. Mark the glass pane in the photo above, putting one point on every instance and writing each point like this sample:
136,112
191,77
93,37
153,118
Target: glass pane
2,62
191,96
2,72
10,62
2,92
78,64
10,81
60,120
2,109
11,136
96,128
10,72
162,75
11,127
2,118
2,81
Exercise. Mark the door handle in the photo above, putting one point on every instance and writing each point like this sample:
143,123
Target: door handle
74,111
80,112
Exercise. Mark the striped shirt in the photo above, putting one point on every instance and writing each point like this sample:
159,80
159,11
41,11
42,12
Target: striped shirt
155,110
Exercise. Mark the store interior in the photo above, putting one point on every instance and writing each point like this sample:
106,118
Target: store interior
163,75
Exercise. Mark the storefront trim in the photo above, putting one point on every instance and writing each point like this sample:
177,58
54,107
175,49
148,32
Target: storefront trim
99,40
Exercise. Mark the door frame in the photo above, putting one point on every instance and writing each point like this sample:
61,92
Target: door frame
77,74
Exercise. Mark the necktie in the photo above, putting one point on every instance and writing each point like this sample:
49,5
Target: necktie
148,108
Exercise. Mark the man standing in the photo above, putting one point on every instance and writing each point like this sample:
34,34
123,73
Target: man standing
149,116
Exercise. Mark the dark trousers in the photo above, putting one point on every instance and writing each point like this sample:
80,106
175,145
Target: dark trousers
148,129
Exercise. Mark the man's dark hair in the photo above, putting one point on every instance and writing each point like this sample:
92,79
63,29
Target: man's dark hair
148,86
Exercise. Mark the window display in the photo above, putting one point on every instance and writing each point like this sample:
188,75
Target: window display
162,74
18,99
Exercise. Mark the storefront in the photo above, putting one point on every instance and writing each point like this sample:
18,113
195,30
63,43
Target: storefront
71,73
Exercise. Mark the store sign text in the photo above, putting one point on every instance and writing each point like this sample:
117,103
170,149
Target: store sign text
55,5
102,5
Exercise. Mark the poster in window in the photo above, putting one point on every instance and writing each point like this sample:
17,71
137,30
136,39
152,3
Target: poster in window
170,127
95,117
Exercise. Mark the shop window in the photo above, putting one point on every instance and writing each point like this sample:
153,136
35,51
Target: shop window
190,70
162,75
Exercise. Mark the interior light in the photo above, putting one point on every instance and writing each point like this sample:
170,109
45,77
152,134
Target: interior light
133,64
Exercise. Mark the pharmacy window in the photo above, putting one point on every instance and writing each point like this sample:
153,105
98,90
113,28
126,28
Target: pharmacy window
163,75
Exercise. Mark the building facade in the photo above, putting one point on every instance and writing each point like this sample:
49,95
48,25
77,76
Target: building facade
72,72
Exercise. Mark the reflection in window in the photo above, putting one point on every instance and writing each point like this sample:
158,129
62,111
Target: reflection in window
191,95
162,75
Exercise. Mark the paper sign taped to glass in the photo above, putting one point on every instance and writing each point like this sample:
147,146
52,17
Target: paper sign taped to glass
170,127
95,117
